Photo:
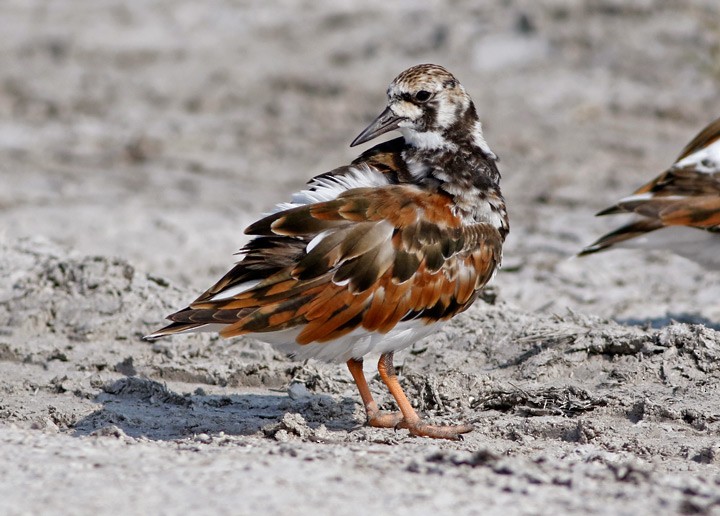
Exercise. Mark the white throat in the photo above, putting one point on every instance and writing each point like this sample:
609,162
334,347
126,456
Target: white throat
434,140
427,140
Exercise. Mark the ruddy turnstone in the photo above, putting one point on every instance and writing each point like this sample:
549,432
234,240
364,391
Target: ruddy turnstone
679,210
375,255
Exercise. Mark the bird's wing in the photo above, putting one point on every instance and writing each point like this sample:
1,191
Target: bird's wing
680,196
687,194
703,140
368,259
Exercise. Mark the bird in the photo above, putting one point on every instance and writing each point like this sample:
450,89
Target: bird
372,256
679,210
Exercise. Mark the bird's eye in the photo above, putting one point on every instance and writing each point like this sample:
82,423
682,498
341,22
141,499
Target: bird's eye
423,95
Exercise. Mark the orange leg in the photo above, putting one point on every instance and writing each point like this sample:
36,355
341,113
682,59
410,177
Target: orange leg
375,417
411,420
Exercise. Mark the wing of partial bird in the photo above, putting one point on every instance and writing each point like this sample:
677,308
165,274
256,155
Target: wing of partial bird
687,194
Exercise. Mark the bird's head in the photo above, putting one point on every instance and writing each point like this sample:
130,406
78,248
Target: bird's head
425,103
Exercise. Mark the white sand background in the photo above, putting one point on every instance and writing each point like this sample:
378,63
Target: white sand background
139,138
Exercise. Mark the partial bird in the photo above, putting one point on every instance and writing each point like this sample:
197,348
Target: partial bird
375,255
679,210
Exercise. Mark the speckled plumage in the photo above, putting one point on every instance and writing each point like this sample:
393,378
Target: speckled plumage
374,255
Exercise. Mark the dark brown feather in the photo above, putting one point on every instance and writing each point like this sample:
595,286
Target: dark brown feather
621,234
704,138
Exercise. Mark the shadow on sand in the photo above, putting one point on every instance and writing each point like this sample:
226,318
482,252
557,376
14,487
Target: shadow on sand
142,407
660,322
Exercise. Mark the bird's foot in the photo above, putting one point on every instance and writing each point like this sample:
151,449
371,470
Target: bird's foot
451,432
382,419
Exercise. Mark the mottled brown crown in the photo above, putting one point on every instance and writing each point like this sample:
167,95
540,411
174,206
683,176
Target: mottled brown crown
424,75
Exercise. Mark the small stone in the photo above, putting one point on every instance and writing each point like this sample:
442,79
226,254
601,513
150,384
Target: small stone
203,438
282,436
109,431
297,391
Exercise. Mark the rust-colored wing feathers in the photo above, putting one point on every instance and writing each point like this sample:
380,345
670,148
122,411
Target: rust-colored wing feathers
687,194
369,259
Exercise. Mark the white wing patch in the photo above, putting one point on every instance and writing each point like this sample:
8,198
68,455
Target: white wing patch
316,240
706,160
233,291
327,188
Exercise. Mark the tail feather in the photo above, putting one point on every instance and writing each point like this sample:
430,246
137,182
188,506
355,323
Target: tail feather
189,320
626,232
612,210
176,327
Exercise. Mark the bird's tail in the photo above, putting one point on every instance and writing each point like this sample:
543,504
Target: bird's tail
627,232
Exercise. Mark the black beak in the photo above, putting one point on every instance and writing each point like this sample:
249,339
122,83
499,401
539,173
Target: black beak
387,121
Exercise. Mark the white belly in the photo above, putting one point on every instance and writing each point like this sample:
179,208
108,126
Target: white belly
353,345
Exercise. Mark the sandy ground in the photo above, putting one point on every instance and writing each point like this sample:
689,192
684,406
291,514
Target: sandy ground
137,139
